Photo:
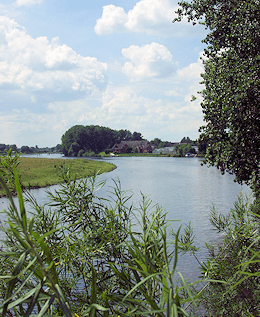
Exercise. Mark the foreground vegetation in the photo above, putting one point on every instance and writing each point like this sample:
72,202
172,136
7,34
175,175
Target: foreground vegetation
82,255
43,172
79,255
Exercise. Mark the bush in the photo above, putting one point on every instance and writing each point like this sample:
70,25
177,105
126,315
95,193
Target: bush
81,152
235,262
89,154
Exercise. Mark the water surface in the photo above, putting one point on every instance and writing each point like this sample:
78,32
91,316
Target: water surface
184,188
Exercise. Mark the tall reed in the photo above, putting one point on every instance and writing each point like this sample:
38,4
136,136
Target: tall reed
79,255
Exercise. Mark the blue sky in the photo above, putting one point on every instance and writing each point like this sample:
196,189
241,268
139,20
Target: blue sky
119,64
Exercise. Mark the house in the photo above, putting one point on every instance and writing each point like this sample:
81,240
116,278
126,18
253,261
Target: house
142,146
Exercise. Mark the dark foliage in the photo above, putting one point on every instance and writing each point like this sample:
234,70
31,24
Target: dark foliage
83,139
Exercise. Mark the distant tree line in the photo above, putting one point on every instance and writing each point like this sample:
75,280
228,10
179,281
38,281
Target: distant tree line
186,145
158,143
90,140
5,147
29,150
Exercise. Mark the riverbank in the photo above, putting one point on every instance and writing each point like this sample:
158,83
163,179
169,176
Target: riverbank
43,172
102,154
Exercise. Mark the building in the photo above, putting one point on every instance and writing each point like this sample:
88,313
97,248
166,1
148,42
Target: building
142,146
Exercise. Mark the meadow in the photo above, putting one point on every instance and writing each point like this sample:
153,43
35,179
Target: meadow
43,172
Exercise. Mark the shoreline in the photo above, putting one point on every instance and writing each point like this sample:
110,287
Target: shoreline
39,172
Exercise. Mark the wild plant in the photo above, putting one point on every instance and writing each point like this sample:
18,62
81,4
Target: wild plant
152,265
7,164
79,254
30,280
235,262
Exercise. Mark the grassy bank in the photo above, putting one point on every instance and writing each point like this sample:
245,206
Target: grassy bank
42,172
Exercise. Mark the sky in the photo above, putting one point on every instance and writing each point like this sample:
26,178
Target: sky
114,63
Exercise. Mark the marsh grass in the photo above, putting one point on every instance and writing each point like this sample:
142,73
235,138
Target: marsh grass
43,172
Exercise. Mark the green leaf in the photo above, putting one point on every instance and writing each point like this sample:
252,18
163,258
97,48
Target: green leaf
20,199
20,300
46,306
63,304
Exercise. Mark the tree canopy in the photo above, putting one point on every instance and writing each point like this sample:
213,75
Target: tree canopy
186,140
232,87
5,148
81,140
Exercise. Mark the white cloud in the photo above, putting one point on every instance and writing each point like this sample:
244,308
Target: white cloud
193,71
28,2
152,117
22,127
120,108
174,92
146,16
44,67
113,19
190,77
150,16
149,61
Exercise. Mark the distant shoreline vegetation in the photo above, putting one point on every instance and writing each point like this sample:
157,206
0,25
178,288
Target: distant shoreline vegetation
96,141
91,141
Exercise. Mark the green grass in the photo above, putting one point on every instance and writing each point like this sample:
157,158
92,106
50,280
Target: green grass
42,172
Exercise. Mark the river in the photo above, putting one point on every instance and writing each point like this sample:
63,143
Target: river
184,188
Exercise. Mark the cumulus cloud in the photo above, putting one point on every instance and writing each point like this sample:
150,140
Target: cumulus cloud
148,61
146,16
28,2
153,17
153,117
44,67
190,78
113,19
120,107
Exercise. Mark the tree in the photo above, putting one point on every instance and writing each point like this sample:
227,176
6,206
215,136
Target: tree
183,149
156,142
26,149
202,147
231,97
2,147
231,100
137,136
186,140
76,134
93,138
123,135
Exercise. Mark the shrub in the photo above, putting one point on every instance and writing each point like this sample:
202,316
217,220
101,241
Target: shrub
89,154
81,152
235,261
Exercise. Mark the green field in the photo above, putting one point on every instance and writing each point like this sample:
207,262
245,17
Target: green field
42,172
